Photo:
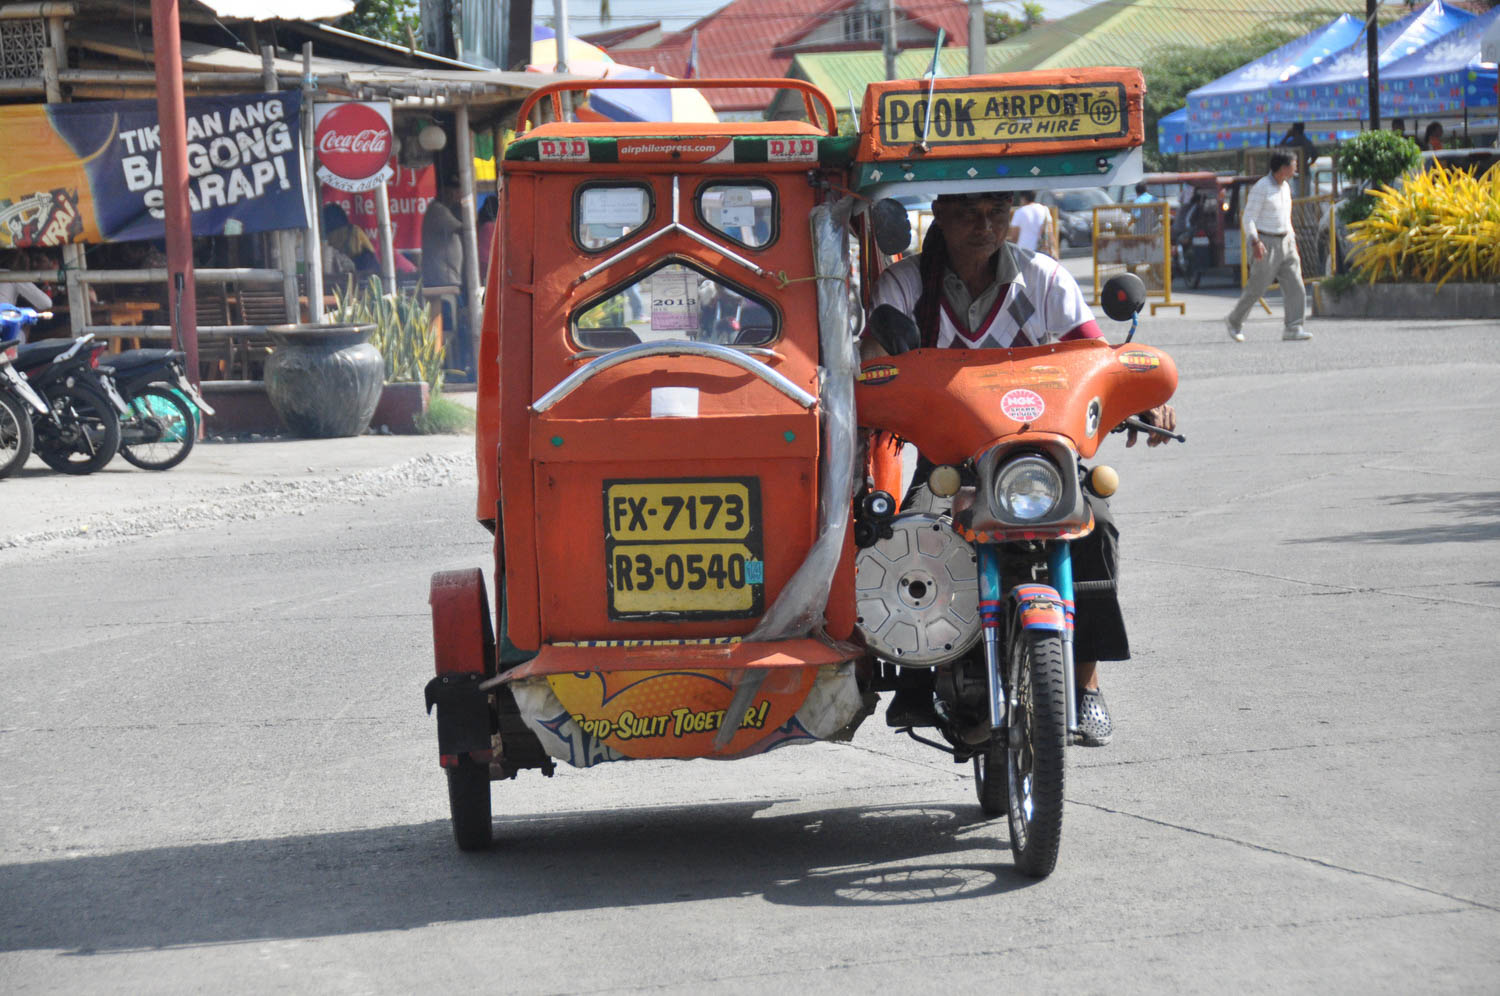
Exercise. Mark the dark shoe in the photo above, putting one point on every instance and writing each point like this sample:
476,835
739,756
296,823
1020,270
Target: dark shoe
911,707
1094,727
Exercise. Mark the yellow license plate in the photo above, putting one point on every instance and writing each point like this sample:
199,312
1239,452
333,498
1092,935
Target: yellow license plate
687,547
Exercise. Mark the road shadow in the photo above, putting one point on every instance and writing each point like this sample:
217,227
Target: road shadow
1467,516
401,877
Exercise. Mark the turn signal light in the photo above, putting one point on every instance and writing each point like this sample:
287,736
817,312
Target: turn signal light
943,481
1104,481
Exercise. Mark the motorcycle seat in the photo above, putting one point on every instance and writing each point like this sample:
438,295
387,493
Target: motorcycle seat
136,359
38,354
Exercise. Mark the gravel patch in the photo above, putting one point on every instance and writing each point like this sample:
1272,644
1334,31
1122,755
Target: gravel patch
247,501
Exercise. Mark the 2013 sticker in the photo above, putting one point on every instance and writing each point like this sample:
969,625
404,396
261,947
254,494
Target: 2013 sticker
1022,405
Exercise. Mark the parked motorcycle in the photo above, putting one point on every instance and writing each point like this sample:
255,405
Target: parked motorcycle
161,427
82,432
17,399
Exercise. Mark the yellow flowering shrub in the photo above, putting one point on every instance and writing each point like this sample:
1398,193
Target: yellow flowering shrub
1441,225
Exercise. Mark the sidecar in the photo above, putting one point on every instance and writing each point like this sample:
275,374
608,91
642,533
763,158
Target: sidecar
667,442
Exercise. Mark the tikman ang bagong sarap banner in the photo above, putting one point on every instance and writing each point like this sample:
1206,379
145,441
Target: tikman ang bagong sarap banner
92,172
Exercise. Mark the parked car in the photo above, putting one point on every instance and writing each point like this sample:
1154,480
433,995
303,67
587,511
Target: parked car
1075,214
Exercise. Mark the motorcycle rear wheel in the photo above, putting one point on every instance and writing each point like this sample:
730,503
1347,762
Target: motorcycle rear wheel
90,430
469,804
15,435
160,432
1034,766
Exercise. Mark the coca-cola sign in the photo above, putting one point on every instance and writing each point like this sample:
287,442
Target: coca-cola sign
353,141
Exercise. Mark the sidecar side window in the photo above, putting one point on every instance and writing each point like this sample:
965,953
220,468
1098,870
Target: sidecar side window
742,210
674,300
605,213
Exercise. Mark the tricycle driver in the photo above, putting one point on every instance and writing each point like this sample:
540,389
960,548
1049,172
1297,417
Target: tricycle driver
969,288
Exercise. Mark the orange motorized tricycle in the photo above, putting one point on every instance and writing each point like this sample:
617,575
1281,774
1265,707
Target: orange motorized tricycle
694,555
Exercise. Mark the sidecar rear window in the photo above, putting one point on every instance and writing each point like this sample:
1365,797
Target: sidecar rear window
675,300
742,210
605,213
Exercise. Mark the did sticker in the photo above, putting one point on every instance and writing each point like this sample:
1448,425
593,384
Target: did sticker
1022,405
878,374
1139,360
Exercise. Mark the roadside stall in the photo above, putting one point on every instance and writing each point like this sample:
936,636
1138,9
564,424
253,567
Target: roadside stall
80,201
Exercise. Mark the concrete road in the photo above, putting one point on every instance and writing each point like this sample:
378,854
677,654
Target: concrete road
215,772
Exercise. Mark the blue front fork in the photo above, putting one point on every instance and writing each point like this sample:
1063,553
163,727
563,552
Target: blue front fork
992,603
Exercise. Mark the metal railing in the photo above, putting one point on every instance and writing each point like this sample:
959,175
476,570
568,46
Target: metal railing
1136,238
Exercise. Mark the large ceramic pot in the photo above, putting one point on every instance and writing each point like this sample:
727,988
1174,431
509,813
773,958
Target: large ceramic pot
324,380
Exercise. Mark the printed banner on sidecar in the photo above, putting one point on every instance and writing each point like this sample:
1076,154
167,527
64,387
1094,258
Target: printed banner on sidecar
91,172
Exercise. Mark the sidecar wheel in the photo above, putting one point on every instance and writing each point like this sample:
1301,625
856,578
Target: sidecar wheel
15,434
1034,768
990,781
469,805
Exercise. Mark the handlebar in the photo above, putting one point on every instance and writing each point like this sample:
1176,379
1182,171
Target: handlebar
1135,423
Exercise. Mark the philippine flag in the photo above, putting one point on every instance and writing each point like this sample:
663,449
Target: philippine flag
691,72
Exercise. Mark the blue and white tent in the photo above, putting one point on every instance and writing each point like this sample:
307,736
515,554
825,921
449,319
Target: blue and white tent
1239,100
1174,136
1337,88
1445,78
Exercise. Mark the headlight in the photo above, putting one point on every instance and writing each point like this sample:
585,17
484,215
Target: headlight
1027,488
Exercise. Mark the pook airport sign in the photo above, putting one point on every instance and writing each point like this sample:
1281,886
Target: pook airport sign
353,140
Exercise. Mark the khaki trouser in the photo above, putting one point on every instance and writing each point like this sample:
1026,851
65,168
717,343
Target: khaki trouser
1282,264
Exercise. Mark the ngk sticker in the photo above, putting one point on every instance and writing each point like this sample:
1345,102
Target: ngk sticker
1022,405
792,150
573,150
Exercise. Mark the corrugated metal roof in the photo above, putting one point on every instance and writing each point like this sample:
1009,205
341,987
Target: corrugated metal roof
842,74
741,40
1110,34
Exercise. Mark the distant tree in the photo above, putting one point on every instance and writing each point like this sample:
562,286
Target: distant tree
386,20
999,26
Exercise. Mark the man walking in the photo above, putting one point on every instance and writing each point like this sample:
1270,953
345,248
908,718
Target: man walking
1267,221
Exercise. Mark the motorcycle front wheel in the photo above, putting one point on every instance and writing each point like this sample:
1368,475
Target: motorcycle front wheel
1034,759
15,435
87,436
160,432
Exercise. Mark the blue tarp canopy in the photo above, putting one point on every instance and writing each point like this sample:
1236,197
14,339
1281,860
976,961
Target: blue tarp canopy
1337,89
1174,136
1444,78
1240,99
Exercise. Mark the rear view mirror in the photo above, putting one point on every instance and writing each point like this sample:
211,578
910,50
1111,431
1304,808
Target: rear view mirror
1122,296
891,225
893,329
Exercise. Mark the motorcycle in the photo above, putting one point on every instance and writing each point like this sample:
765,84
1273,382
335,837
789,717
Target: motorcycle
981,591
17,399
82,432
160,428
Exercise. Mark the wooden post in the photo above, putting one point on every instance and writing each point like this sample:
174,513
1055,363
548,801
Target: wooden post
312,238
286,241
171,109
387,243
470,221
54,59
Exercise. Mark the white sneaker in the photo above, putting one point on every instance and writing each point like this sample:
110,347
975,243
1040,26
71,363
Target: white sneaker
1234,333
1298,334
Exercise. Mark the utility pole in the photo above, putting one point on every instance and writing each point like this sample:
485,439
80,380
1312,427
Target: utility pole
889,43
976,38
1372,60
171,112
